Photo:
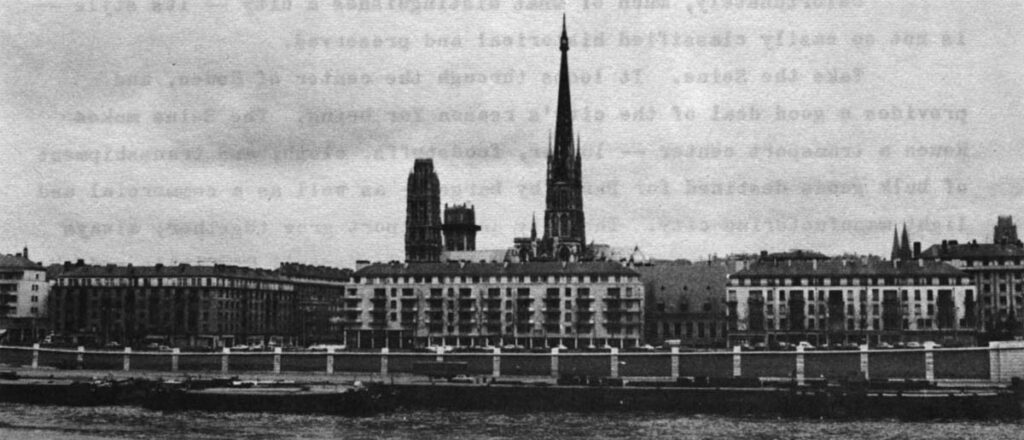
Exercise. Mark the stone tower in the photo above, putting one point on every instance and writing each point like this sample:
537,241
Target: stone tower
423,214
1005,231
459,228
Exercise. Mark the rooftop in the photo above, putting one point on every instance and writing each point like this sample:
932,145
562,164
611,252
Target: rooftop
841,268
495,269
17,261
973,250
181,270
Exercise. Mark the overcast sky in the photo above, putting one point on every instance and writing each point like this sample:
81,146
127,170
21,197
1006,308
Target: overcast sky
152,135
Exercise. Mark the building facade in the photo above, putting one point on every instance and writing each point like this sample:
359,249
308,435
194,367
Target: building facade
997,273
844,301
185,306
319,296
686,304
423,213
539,304
24,294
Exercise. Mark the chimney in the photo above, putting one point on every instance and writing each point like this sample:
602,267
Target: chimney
159,266
80,262
917,249
24,252
764,254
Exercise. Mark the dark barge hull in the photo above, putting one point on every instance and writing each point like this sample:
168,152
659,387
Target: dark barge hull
354,402
73,393
828,403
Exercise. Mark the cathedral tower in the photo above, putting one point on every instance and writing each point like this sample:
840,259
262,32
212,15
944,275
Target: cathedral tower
459,228
423,214
564,229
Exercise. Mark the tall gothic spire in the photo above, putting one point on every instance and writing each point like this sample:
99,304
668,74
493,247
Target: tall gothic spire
563,123
905,251
564,224
895,243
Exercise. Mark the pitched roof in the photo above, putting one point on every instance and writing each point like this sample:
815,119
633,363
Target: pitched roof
973,251
841,268
18,262
495,269
182,270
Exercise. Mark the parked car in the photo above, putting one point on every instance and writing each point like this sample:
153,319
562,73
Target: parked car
326,347
805,345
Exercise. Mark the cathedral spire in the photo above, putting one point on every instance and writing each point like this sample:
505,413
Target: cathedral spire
895,243
563,121
564,224
905,251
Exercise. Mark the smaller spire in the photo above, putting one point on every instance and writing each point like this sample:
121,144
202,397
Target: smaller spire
905,251
533,228
895,243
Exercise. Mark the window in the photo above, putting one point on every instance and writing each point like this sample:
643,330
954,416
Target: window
35,298
35,287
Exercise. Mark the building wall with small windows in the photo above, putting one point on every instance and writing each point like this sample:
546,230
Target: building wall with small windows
997,272
537,304
843,301
24,292
185,306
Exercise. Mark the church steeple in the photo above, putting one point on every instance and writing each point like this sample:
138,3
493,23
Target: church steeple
564,229
563,123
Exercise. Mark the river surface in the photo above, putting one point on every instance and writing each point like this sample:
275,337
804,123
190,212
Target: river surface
54,422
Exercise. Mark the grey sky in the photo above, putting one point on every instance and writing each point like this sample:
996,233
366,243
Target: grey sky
93,170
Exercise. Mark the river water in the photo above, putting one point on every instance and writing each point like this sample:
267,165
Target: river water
54,422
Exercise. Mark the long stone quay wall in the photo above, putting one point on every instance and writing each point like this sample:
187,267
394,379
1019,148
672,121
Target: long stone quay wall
998,362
